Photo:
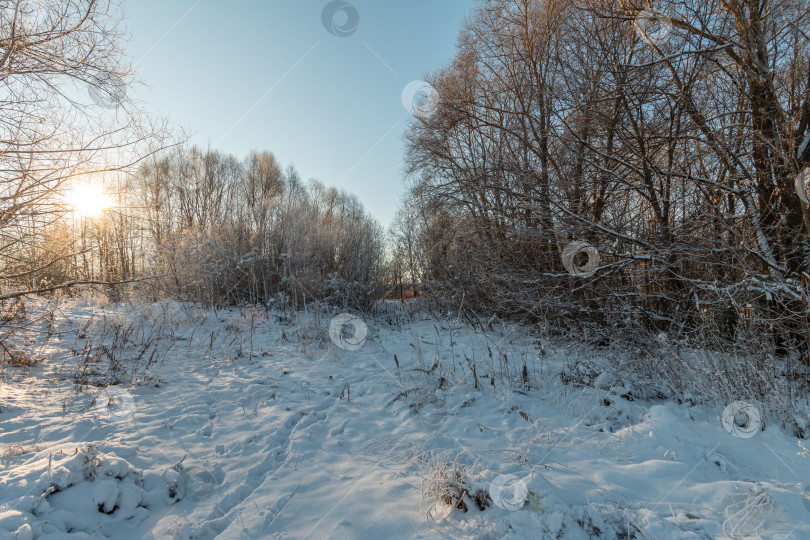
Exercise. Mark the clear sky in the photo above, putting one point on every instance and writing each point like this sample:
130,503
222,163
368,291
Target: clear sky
268,75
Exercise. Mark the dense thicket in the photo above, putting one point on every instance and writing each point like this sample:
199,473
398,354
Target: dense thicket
207,227
225,232
668,138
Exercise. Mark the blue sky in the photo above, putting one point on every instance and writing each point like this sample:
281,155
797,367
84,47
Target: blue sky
268,75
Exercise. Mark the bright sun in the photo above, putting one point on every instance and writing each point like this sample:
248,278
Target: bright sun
88,200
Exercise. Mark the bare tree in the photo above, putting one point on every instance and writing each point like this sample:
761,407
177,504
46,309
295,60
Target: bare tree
65,118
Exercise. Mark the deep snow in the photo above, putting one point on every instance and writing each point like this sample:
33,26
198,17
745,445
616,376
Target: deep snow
244,425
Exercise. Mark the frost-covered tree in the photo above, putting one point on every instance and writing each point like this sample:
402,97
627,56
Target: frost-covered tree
66,119
669,137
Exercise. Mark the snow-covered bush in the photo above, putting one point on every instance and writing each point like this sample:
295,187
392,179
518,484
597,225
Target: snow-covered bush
662,369
247,232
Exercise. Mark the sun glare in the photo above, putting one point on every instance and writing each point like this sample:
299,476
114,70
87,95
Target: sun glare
88,200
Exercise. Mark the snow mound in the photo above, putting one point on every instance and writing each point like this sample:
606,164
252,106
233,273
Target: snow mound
91,495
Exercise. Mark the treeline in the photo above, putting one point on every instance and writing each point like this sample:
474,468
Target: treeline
607,163
229,232
208,227
668,138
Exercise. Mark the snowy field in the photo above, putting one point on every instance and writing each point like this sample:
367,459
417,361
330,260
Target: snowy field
166,421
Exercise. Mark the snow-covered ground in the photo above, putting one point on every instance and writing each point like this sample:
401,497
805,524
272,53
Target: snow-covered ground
243,425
